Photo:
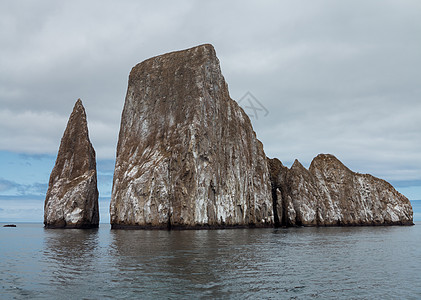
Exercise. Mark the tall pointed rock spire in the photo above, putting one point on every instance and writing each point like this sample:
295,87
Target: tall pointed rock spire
72,196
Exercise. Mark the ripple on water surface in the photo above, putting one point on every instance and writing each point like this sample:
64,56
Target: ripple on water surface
324,263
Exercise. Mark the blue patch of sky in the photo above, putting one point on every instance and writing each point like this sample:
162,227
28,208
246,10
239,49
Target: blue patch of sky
410,188
24,169
416,207
406,183
410,192
24,174
24,182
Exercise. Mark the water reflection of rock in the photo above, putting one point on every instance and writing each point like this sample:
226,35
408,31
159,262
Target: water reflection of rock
70,254
186,261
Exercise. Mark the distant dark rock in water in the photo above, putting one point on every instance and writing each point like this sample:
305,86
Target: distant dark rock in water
9,225
72,196
187,155
329,194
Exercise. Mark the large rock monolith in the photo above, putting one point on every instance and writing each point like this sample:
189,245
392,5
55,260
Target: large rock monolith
187,155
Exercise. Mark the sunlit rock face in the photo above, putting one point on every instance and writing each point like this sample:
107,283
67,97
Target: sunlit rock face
187,155
72,196
328,193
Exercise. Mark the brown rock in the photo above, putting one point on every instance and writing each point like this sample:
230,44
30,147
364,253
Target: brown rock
72,196
330,194
187,155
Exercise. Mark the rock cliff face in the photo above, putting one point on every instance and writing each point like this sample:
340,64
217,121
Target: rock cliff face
330,194
187,155
72,196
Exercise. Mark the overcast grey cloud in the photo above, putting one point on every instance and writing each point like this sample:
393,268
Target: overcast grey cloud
339,77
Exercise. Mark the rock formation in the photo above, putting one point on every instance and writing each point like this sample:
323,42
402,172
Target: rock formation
187,155
72,196
328,193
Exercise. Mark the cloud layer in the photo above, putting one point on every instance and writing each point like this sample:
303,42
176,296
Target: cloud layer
337,77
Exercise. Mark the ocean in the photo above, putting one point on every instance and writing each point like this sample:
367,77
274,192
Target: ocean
284,263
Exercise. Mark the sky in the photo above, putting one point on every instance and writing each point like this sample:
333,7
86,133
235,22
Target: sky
339,77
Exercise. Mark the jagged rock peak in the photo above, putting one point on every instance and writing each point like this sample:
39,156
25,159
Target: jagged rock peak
72,195
329,193
327,161
297,165
187,155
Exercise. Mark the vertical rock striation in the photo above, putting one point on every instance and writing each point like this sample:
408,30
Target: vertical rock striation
187,155
328,193
72,196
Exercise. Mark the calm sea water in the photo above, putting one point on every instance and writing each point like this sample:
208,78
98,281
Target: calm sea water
294,263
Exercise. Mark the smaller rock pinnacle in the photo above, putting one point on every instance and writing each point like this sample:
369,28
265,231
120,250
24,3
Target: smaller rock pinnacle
72,196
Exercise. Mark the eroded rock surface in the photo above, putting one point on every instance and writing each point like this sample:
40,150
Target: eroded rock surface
187,155
328,193
72,196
